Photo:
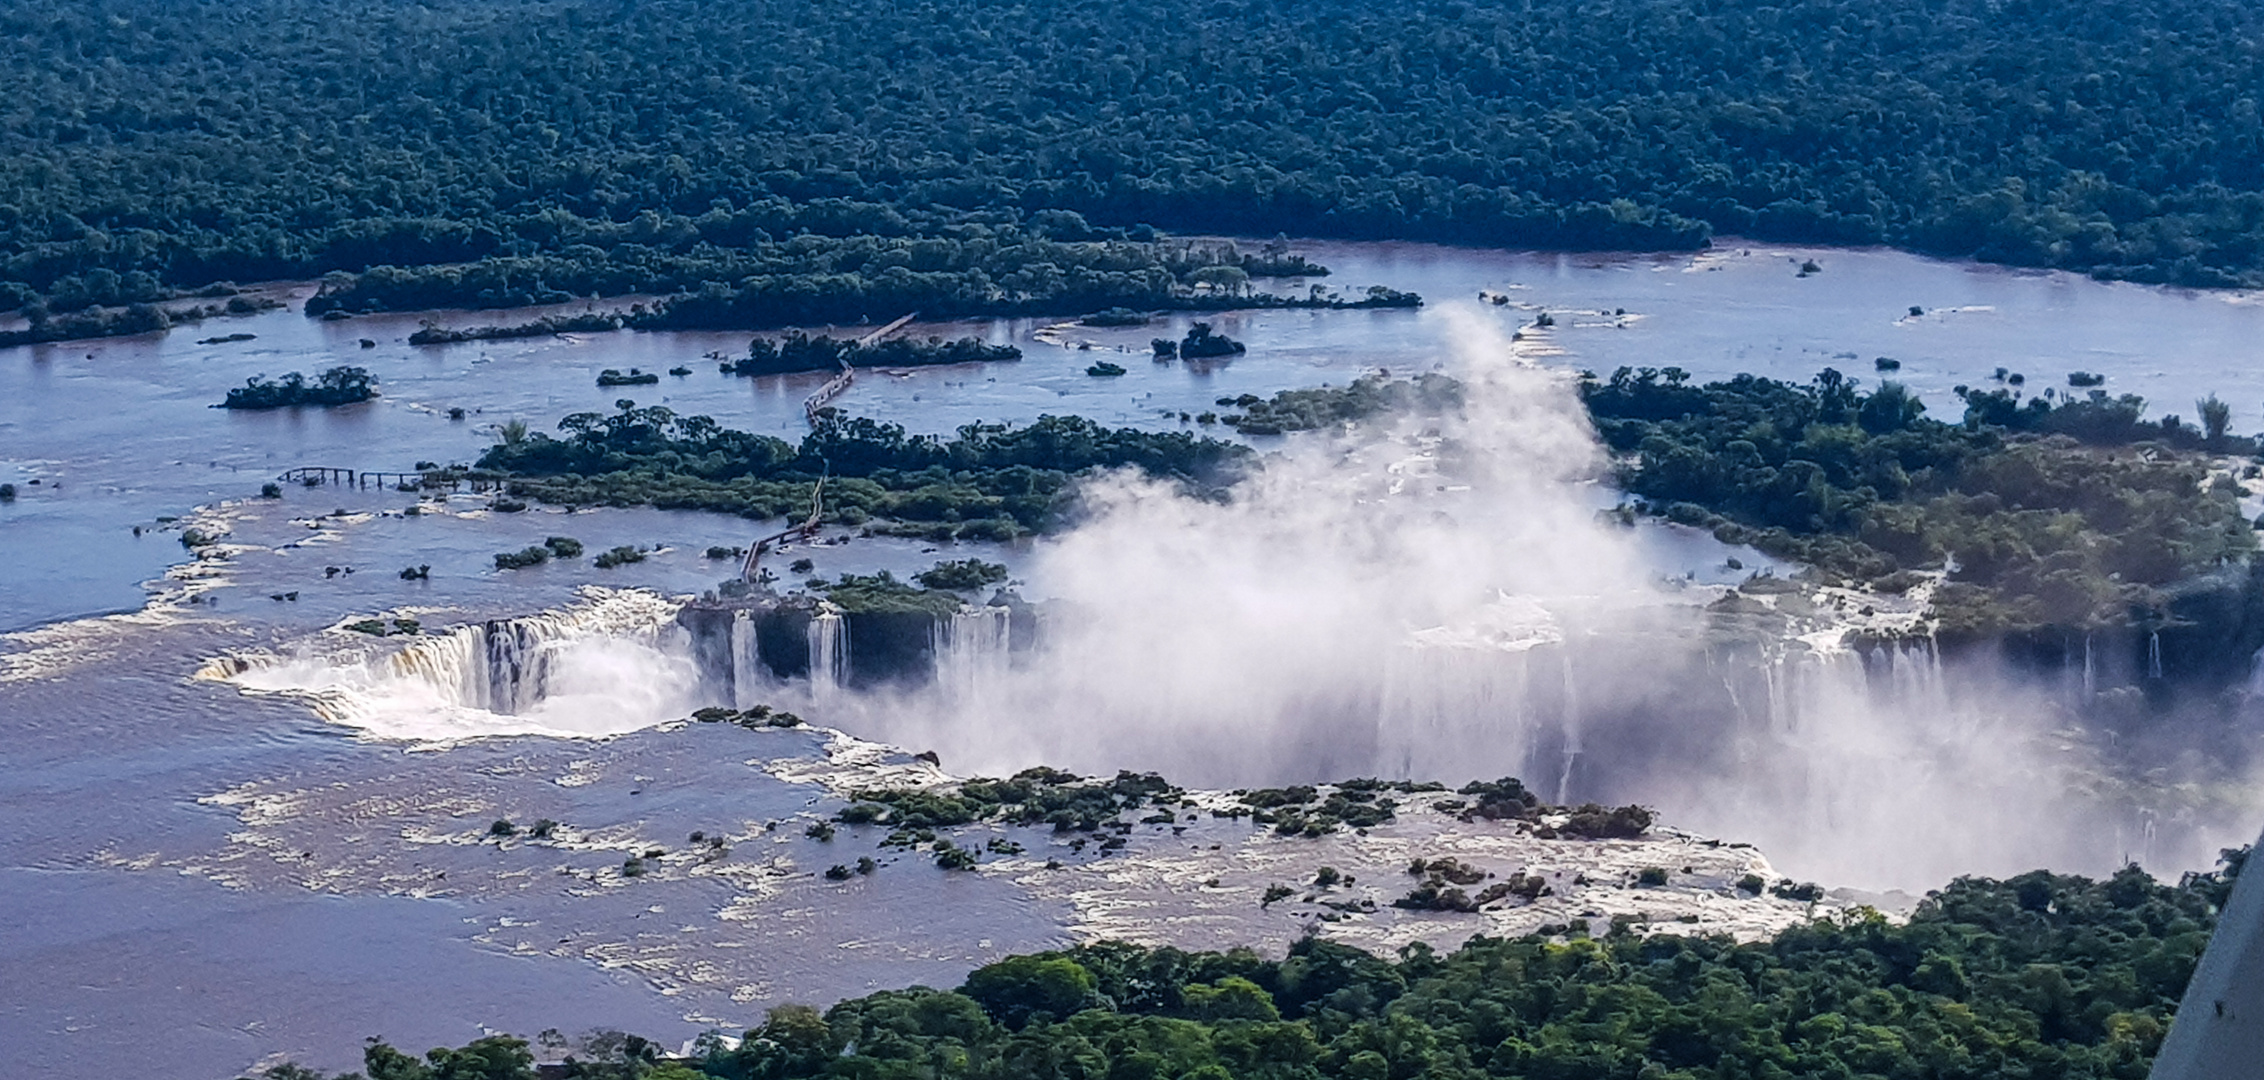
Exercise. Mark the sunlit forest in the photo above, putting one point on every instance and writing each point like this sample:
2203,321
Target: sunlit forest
501,151
2039,976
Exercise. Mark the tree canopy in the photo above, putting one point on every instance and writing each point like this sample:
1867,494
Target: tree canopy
534,148
2062,512
2040,975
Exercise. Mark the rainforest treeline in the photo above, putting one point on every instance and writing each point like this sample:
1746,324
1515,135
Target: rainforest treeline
2061,512
492,152
2041,975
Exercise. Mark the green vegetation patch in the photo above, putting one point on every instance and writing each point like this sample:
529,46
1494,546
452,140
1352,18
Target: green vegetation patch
986,482
961,575
1039,796
1507,799
1367,396
342,385
2071,513
975,159
2039,975
618,556
1443,887
760,716
882,594
1303,811
799,351
533,555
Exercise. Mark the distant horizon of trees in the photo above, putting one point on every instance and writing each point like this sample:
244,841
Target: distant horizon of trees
147,150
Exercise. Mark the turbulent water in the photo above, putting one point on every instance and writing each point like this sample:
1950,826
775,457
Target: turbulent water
234,788
610,665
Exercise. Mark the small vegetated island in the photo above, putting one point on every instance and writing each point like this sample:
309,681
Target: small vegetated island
431,333
1201,343
799,351
337,386
985,482
1164,283
113,305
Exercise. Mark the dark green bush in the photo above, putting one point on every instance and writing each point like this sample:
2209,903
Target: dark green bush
522,558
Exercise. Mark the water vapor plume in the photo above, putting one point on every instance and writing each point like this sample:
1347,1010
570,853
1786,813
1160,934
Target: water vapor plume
1445,598
1440,596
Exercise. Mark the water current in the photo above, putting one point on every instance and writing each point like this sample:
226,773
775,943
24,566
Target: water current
238,863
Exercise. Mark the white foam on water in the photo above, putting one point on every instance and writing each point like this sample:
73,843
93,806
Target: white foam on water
611,664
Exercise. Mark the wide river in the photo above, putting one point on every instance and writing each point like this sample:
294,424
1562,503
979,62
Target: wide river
231,878
119,432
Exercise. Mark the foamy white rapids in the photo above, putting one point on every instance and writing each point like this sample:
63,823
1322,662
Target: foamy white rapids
613,663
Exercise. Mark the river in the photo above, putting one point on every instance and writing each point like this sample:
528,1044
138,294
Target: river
182,856
118,431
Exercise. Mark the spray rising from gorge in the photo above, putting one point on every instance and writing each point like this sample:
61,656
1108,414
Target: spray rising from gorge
1428,596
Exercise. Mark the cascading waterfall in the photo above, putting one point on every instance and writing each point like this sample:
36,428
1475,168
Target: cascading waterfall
1458,701
829,652
2154,655
614,662
1569,722
507,666
971,649
454,663
748,676
1914,673
1781,718
1451,708
2090,670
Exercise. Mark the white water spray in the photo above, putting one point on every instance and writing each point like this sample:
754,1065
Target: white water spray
613,663
971,649
828,637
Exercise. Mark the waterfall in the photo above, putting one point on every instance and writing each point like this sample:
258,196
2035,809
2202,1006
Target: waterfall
1452,710
454,663
829,652
1569,724
1914,671
519,656
2090,669
2154,655
1457,701
507,666
615,662
747,673
970,650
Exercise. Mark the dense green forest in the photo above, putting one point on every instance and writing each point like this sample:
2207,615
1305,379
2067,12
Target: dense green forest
2040,976
2068,513
987,482
496,151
